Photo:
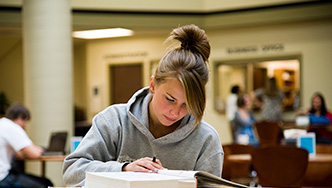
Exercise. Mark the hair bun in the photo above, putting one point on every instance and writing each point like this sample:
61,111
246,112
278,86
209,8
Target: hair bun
188,45
192,38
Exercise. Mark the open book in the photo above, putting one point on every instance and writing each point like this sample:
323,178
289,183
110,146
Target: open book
162,179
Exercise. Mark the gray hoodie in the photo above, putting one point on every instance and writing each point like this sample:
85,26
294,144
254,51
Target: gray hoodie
120,134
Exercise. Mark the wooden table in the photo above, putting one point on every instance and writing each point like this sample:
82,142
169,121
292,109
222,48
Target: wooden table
318,174
45,159
285,126
319,158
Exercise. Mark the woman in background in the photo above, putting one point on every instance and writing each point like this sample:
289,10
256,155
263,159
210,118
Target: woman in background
318,113
320,118
244,122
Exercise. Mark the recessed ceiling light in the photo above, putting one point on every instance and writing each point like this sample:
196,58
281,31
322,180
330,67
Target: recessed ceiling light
103,33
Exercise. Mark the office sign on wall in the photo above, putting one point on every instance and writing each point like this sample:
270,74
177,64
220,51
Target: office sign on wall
264,48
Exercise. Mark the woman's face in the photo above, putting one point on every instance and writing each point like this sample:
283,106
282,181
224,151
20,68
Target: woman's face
168,104
316,103
247,101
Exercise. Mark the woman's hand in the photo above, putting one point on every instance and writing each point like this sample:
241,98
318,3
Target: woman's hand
144,165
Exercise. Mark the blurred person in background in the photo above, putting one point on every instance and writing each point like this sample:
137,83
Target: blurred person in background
320,119
231,102
272,101
318,113
231,107
15,144
244,122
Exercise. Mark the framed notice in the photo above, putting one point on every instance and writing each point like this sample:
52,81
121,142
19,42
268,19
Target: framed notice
307,142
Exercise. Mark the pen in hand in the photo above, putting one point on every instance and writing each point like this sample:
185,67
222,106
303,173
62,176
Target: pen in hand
154,159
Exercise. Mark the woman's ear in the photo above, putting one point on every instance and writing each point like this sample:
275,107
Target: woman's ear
152,84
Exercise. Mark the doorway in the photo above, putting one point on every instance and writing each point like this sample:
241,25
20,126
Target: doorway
252,74
125,80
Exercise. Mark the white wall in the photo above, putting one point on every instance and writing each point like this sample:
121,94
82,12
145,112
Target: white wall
11,69
102,53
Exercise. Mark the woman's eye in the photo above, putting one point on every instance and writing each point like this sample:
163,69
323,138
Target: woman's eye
170,100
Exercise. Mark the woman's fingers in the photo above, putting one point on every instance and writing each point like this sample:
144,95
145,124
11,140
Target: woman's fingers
158,164
144,165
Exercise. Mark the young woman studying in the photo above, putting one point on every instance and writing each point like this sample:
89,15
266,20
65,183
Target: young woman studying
164,119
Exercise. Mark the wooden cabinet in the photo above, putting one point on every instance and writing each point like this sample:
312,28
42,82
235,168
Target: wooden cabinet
286,79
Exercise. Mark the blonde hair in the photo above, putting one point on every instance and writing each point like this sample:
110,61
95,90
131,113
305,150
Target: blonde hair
188,64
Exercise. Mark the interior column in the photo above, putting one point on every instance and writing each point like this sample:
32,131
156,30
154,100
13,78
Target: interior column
47,60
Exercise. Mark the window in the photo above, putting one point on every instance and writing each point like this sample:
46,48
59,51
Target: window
252,74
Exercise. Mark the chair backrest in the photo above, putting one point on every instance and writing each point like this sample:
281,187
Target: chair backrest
233,170
269,132
238,148
280,166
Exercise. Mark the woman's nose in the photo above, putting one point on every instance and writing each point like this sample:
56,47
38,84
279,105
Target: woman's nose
175,110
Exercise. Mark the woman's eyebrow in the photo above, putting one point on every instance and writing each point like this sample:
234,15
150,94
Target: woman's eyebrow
171,96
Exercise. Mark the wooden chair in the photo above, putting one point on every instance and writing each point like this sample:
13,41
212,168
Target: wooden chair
237,171
269,132
280,166
238,148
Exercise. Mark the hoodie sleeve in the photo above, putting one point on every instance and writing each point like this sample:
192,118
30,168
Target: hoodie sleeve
96,153
211,157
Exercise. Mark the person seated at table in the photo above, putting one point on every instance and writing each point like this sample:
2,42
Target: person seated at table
14,142
318,113
244,121
320,118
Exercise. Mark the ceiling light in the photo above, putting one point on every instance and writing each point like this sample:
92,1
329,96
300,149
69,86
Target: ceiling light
102,33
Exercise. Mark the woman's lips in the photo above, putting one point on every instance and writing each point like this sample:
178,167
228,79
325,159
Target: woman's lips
169,119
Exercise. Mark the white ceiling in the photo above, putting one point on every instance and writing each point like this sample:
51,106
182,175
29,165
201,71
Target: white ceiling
169,5
148,17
